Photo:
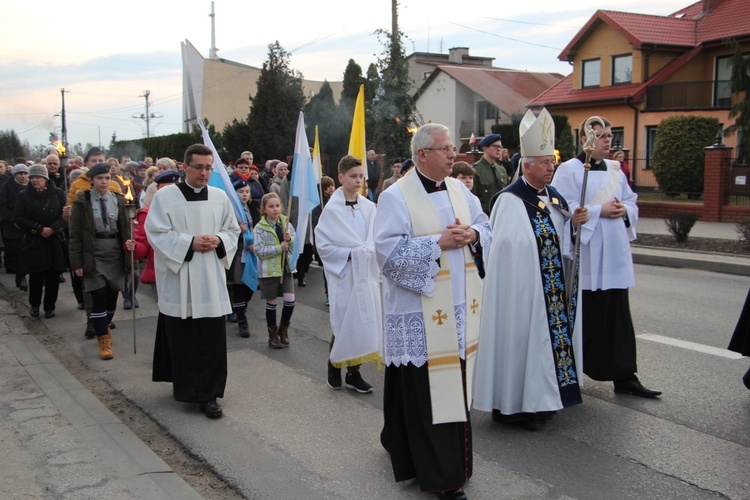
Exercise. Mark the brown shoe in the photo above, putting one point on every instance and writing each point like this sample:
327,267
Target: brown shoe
105,346
273,338
284,333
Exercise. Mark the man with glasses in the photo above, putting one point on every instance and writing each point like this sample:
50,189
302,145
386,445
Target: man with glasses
609,349
428,231
490,176
529,358
194,232
53,167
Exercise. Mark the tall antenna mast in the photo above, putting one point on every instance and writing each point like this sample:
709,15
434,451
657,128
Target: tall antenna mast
212,51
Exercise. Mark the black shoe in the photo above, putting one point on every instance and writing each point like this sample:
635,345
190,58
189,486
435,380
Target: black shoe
211,409
61,279
457,494
81,306
301,282
90,332
634,387
333,380
746,379
533,422
244,330
127,304
112,326
49,313
355,381
23,285
34,311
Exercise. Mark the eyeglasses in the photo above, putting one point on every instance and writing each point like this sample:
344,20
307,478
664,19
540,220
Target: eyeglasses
496,146
242,167
445,149
205,169
605,136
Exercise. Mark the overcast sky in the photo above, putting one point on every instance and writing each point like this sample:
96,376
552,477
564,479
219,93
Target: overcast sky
106,56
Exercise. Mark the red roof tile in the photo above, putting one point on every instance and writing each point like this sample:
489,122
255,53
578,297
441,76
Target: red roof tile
508,90
562,93
685,28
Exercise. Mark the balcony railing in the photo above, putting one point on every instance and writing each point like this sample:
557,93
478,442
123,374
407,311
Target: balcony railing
689,95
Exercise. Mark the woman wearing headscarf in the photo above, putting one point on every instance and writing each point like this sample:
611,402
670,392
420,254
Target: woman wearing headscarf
38,214
12,234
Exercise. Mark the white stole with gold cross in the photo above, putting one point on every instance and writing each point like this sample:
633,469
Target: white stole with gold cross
448,397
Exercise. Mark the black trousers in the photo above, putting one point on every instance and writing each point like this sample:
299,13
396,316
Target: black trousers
44,281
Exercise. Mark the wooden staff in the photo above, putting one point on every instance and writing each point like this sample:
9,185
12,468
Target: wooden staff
286,228
130,210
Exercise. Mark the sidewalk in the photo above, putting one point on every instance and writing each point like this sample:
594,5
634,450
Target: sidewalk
705,261
59,441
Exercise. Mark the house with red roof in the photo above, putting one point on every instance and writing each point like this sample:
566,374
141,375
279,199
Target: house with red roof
636,69
469,99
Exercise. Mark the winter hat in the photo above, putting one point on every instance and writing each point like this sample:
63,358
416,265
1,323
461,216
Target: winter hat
38,170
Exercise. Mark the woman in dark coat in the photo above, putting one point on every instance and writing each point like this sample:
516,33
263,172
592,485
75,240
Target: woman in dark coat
38,214
741,339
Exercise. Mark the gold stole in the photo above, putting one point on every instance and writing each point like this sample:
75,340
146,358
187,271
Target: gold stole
448,399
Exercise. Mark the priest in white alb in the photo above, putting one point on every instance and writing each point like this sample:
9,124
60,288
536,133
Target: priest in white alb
607,271
194,233
430,233
529,362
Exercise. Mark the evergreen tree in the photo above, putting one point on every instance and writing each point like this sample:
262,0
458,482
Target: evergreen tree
332,133
393,107
352,80
10,146
275,108
236,138
740,85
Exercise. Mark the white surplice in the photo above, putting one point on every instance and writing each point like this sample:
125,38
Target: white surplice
345,241
515,364
606,261
195,288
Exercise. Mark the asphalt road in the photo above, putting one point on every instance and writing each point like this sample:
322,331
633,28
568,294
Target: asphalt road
284,434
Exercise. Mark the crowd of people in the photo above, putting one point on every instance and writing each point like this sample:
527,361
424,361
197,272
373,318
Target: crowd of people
487,287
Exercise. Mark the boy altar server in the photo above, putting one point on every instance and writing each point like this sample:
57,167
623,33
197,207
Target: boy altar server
345,240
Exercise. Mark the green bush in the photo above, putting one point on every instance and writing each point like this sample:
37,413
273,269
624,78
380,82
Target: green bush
679,158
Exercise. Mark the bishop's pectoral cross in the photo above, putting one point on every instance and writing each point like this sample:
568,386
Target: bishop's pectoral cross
439,316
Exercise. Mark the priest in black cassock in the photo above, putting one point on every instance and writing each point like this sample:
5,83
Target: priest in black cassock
194,232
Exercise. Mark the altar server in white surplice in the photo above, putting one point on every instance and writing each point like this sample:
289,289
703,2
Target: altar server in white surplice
345,241
609,346
194,233
528,364
429,235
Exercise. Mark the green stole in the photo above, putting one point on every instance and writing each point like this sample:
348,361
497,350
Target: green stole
448,399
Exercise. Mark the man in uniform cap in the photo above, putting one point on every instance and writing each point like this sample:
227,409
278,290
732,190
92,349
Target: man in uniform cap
606,262
528,364
490,176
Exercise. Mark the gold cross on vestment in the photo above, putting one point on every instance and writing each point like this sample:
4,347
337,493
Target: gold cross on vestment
439,316
473,306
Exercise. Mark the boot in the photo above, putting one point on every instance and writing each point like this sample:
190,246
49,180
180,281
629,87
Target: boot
105,346
284,333
90,333
334,377
242,324
127,300
273,338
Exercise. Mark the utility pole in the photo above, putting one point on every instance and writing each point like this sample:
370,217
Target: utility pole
148,116
64,127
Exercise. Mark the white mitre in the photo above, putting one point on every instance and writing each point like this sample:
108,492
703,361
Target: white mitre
537,134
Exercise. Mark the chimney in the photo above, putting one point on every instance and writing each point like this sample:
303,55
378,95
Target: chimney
456,54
